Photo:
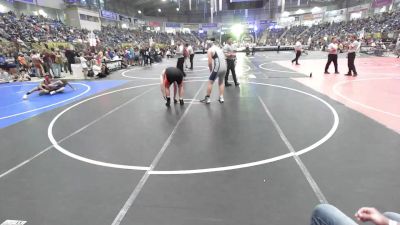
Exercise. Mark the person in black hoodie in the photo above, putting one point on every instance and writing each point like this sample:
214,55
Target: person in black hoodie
70,55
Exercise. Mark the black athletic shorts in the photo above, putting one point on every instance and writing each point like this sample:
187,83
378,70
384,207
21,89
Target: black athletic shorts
173,75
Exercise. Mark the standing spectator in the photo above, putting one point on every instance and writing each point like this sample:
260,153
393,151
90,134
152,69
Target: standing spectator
191,55
279,45
332,56
70,55
186,55
136,55
37,63
47,61
131,56
51,61
84,65
22,62
58,62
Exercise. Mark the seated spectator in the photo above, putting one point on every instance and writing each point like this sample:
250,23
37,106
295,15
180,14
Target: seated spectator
5,77
325,214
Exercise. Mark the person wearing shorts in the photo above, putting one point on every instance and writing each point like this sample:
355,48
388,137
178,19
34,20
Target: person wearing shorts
43,87
169,76
218,67
49,86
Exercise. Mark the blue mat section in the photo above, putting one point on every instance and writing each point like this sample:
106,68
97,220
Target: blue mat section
13,109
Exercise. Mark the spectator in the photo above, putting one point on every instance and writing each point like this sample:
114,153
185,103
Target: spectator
325,214
70,55
58,63
85,67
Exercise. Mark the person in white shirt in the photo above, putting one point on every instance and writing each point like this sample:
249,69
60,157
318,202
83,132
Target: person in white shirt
298,48
217,66
230,55
181,58
191,56
84,65
351,55
332,56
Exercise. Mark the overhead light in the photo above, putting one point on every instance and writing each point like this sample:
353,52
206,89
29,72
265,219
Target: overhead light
164,0
159,10
3,9
177,9
42,13
237,30
140,12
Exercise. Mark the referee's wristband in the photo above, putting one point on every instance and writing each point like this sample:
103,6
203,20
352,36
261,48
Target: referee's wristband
392,222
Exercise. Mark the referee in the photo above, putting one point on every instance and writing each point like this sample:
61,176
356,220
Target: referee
351,56
297,49
332,56
181,58
230,56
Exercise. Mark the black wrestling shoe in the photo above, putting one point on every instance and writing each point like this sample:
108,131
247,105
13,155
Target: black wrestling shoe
168,104
237,84
354,75
348,74
326,72
175,101
337,73
228,84
181,102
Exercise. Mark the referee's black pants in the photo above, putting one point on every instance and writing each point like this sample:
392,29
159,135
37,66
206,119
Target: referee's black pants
231,67
179,65
191,61
332,58
351,57
298,54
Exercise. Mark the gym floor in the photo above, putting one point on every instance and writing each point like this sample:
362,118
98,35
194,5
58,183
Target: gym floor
111,153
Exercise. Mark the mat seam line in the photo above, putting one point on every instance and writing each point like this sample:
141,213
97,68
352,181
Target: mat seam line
135,193
303,168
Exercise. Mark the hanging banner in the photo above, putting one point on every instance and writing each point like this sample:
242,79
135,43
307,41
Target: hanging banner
209,25
139,22
380,3
191,26
358,8
125,19
172,25
154,24
264,22
108,15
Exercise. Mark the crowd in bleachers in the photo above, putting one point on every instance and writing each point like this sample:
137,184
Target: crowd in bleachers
35,29
274,35
383,23
24,49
